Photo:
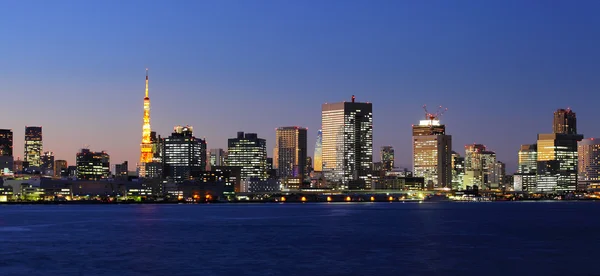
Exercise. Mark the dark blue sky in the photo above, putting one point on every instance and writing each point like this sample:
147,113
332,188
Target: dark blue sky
501,67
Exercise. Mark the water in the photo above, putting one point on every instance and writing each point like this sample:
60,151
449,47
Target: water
554,238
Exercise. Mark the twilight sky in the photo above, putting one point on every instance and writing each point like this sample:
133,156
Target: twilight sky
501,67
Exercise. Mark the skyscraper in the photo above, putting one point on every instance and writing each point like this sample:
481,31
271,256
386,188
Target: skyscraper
6,142
318,158
481,167
557,158
387,158
122,170
92,165
347,152
458,171
184,155
474,165
557,162
588,151
60,166
248,152
33,146
565,121
217,157
47,160
432,153
527,169
289,154
146,145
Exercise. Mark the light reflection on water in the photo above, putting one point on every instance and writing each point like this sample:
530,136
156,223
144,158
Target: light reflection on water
299,239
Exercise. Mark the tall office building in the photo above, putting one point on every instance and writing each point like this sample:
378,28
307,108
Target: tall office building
184,155
146,146
289,154
47,160
318,157
588,151
92,165
6,150
248,152
60,166
557,158
347,151
525,178
565,121
157,147
6,142
309,165
387,158
33,146
122,170
458,171
557,162
432,153
217,157
481,168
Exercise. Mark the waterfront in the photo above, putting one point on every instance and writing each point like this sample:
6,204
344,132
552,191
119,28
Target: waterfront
446,238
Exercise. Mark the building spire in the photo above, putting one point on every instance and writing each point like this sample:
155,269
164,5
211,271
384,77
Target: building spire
146,82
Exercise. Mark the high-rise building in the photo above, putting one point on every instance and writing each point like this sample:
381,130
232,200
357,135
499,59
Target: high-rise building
157,147
146,146
248,152
565,121
122,170
387,158
588,151
557,162
318,162
33,146
47,160
474,165
481,168
217,157
432,153
289,154
527,170
60,167
347,151
92,165
184,155
6,142
458,171
309,165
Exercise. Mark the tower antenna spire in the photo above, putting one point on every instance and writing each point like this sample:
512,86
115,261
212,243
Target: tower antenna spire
146,82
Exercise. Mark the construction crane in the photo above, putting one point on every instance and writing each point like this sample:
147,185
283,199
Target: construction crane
434,116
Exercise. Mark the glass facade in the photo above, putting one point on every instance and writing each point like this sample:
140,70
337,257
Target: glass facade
92,165
347,146
318,158
289,155
33,146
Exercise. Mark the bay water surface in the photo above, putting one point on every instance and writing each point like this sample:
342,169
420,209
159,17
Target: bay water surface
497,238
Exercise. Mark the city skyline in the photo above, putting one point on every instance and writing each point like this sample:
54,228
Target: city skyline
96,100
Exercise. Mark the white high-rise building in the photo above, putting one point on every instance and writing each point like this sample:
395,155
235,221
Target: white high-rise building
347,147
